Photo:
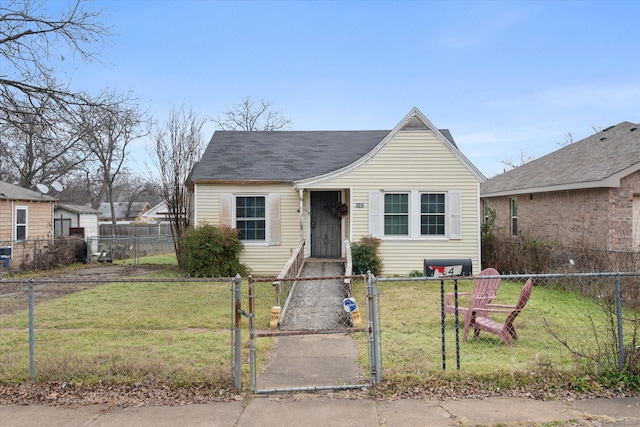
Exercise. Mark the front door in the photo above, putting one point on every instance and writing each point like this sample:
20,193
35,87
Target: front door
325,228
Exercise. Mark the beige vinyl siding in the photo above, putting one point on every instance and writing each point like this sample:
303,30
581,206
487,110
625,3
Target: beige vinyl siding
261,258
413,160
39,226
6,222
39,219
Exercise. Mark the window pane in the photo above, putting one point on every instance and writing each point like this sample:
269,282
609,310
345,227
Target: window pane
432,203
21,232
396,203
432,225
396,225
21,216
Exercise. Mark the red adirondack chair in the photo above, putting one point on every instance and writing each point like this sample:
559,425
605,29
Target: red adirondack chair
479,319
485,290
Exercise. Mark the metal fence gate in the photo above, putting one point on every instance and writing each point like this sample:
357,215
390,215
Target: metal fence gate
314,341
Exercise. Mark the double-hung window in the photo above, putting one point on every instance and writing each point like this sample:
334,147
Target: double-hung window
396,214
432,214
251,217
21,223
415,214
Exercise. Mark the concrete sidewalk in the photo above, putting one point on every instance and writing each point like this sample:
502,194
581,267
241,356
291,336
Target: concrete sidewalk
311,410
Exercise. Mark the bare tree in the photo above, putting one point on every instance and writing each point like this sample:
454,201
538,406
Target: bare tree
568,140
82,186
33,42
108,133
251,115
40,144
177,148
521,161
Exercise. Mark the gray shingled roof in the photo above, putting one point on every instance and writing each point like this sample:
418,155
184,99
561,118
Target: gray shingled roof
123,210
14,192
284,156
78,209
586,163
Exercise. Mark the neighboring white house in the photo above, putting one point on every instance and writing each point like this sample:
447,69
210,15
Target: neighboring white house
410,186
79,220
158,213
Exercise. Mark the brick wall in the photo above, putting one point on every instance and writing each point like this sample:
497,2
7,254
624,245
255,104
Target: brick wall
600,218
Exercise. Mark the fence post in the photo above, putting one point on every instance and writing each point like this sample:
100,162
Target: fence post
442,326
252,335
32,334
457,316
374,329
237,316
621,354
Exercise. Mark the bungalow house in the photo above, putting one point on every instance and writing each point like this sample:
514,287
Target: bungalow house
586,192
410,186
25,216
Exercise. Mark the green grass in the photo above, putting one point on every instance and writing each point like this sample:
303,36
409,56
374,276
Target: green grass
179,333
176,333
412,341
161,259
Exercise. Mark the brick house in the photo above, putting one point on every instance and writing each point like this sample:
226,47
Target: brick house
586,192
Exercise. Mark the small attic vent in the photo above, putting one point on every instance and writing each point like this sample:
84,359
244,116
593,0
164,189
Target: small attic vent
633,129
603,138
606,129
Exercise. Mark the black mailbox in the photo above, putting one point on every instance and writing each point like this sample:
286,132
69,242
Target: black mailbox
447,267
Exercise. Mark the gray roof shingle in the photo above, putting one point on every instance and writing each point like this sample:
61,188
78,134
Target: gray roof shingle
586,163
78,209
283,156
14,192
123,210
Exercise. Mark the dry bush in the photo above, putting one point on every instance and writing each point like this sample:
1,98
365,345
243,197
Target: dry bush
62,251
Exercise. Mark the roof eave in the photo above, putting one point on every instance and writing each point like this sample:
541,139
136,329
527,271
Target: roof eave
612,181
240,182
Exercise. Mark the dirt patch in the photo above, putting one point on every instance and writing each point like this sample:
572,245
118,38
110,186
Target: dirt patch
55,284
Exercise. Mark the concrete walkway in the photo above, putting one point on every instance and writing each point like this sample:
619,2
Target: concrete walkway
314,360
317,304
311,410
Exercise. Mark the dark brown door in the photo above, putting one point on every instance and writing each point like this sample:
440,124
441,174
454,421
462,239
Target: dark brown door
325,228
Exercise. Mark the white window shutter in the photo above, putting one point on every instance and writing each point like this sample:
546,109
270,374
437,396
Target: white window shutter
226,200
375,214
273,209
455,215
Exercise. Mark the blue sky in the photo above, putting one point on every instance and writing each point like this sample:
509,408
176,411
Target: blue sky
505,77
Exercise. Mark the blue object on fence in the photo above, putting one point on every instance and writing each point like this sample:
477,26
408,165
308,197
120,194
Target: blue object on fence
350,304
5,261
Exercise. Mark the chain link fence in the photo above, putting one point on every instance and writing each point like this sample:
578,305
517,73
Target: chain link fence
97,327
569,322
93,327
106,249
316,337
48,253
